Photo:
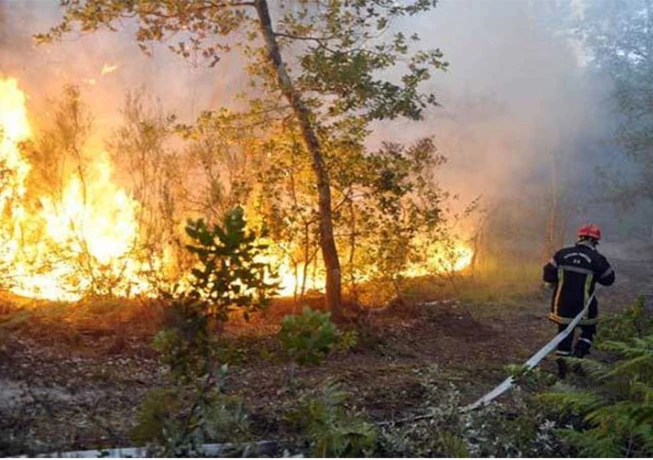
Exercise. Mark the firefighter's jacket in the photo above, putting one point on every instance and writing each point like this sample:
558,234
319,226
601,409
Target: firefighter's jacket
574,271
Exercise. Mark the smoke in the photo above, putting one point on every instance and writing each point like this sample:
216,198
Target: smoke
106,65
516,95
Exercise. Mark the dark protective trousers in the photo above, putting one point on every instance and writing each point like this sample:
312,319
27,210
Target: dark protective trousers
583,344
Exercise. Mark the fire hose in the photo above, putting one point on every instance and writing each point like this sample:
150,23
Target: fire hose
532,362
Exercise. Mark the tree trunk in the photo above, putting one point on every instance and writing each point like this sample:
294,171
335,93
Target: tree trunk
303,115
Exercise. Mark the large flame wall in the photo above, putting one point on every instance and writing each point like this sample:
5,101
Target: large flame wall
84,236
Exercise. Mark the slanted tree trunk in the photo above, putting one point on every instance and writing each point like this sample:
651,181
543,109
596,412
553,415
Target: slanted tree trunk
303,115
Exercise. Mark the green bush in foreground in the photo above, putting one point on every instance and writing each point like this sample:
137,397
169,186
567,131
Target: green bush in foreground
333,430
610,412
195,409
634,322
308,338
177,421
519,427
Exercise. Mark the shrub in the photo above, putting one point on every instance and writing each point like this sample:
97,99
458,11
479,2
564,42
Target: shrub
332,430
185,345
517,429
309,337
177,421
634,322
229,275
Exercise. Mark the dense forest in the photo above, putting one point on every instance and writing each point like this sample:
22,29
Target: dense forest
318,227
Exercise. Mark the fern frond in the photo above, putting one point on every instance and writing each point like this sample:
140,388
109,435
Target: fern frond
644,390
644,434
575,401
635,347
592,368
633,366
640,414
591,444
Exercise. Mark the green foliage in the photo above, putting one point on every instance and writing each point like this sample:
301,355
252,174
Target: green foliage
530,380
230,353
391,212
633,322
154,416
229,274
176,422
522,430
333,431
227,277
340,58
613,412
440,428
185,344
347,340
517,371
308,338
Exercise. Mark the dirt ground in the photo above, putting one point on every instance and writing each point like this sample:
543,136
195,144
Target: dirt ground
74,380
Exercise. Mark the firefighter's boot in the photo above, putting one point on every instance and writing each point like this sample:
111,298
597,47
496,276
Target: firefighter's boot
582,348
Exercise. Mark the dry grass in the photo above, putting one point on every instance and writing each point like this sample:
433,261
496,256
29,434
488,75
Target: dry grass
492,283
503,282
98,325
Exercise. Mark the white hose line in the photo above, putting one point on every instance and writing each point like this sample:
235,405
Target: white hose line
532,362
213,450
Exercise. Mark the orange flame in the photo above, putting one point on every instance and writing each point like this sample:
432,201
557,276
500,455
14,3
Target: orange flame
88,233
445,257
14,129
441,258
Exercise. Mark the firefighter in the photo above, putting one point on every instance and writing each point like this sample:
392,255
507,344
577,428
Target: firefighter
573,272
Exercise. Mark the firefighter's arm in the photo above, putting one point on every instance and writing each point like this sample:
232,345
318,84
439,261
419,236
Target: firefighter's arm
550,272
605,275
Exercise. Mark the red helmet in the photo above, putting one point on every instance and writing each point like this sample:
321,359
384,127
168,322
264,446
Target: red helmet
590,230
